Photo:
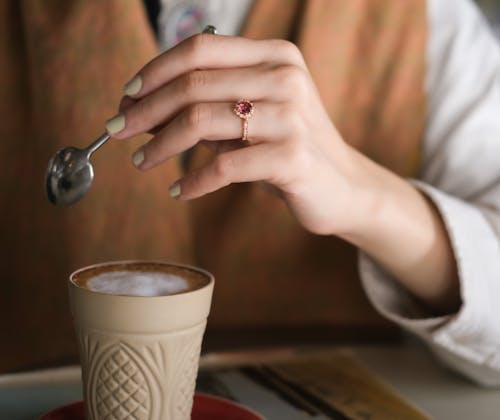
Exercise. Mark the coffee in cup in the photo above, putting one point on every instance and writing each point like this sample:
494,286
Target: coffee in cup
139,281
139,327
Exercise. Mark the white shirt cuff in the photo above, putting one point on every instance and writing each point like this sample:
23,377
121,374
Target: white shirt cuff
469,340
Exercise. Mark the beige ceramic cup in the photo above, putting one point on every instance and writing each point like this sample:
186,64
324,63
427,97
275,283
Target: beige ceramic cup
139,355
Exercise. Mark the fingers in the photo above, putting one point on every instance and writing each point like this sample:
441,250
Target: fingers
126,102
205,51
282,83
213,122
224,146
254,163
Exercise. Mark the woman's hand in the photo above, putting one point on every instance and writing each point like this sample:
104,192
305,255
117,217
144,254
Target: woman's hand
187,95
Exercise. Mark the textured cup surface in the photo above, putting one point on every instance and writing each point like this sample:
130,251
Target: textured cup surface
139,354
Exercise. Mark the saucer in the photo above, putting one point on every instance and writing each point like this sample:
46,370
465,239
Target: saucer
205,407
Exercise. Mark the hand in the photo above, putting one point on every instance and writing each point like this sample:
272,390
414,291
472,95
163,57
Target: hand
187,95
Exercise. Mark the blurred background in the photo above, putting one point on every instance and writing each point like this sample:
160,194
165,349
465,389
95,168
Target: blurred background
44,72
57,89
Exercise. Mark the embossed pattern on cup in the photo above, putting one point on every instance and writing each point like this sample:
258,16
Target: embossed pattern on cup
124,377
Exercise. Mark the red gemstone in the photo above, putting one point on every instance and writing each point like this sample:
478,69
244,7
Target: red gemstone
244,107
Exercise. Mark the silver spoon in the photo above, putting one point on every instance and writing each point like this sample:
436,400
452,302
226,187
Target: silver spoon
70,173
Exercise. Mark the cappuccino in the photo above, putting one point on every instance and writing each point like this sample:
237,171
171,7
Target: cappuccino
137,283
146,279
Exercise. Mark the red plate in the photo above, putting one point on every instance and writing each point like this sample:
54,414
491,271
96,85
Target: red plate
205,407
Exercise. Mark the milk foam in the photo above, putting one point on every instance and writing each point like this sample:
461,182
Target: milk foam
137,283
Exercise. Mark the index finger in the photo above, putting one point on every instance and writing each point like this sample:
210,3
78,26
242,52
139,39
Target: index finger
204,51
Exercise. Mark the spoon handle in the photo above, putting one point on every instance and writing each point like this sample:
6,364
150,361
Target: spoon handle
98,143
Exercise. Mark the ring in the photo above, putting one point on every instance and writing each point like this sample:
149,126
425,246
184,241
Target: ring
244,109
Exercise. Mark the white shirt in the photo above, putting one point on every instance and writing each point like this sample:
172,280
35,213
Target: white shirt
460,174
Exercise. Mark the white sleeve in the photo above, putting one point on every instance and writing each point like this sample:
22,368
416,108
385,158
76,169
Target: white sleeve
461,175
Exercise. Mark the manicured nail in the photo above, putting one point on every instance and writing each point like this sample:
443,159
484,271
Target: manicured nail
115,124
138,157
175,190
133,87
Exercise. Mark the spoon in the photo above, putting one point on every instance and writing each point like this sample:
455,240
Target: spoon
70,173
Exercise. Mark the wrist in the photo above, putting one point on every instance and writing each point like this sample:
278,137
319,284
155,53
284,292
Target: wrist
365,198
401,230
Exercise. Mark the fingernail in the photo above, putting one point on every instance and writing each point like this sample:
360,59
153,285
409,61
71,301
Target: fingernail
175,190
133,87
138,157
115,124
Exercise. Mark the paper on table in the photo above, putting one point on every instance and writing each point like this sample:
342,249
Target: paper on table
338,381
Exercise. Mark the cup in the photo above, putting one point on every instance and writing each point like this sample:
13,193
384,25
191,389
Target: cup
140,354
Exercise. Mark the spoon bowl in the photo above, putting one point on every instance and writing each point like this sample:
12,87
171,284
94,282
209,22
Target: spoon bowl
70,173
69,176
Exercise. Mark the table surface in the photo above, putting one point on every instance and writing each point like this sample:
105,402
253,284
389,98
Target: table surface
408,368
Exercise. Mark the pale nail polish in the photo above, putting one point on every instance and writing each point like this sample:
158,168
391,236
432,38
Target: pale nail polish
115,124
138,157
175,190
133,87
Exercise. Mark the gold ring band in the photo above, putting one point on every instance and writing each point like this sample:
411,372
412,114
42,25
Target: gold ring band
244,137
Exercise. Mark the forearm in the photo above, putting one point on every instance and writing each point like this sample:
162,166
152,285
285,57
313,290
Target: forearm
403,232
